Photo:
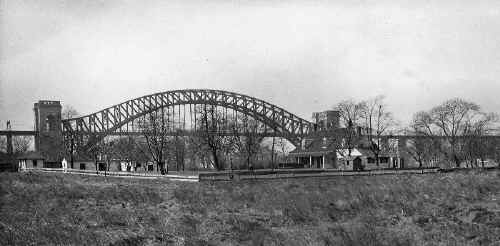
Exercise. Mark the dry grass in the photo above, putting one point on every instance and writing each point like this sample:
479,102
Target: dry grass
434,209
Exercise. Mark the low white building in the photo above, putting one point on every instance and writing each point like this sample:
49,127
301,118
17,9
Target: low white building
31,159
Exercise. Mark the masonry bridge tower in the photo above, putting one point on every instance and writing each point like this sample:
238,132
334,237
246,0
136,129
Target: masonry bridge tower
48,129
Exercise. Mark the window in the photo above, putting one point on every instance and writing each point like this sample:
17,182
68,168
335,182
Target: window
384,159
150,167
102,166
325,143
50,123
82,166
370,160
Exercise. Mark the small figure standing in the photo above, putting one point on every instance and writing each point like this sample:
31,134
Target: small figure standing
64,164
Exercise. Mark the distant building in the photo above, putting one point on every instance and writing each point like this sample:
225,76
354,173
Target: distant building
31,159
315,153
327,148
318,150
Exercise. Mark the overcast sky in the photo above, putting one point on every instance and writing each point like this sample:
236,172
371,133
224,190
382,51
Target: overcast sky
302,55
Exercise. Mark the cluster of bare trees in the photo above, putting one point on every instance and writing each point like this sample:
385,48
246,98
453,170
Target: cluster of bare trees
69,112
20,144
120,148
370,119
222,139
455,131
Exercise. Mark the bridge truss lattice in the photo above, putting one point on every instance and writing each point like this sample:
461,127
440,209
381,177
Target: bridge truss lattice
118,119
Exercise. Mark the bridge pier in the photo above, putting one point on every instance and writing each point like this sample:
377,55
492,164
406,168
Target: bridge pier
48,127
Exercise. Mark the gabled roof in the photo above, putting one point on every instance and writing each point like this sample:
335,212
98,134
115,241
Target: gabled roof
316,145
341,153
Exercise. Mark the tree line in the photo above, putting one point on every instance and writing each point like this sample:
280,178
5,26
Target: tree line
453,132
162,140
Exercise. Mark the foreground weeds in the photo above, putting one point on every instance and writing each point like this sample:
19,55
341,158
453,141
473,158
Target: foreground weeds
434,209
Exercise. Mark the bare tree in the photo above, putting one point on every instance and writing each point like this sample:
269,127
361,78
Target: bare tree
212,122
179,150
21,144
422,147
284,148
155,127
124,148
457,122
3,144
377,121
452,119
69,112
250,139
350,112
232,142
273,152
100,152
129,149
197,150
477,144
351,116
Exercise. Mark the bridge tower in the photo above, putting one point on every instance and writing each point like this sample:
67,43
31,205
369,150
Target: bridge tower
327,120
48,127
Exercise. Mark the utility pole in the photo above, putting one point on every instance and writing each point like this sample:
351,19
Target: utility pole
272,151
72,150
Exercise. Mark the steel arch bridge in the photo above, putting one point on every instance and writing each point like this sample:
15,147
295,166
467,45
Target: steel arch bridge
110,121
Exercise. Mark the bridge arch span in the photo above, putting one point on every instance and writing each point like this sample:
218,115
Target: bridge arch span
108,120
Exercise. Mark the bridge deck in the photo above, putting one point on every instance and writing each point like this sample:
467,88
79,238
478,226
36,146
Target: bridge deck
18,133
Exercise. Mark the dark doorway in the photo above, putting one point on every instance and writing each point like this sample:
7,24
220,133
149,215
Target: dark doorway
356,164
82,166
320,163
102,166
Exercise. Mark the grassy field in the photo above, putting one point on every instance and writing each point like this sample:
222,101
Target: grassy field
433,209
